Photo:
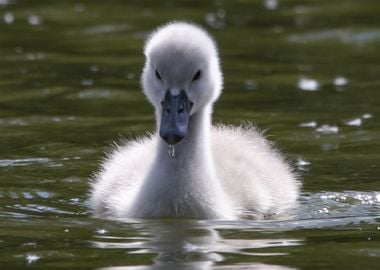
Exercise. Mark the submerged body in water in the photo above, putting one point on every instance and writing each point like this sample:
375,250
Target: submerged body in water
188,168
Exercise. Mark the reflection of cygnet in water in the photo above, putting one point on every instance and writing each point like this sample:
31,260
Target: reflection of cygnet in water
190,245
189,168
183,246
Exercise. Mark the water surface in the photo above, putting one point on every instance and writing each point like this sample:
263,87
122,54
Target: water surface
307,71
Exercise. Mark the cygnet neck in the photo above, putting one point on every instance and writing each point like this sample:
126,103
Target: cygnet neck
184,185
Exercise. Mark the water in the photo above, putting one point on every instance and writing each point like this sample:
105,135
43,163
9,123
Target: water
69,81
171,151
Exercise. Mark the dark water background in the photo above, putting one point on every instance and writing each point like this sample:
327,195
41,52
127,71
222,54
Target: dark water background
308,71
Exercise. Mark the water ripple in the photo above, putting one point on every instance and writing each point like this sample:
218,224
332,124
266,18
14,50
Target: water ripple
342,35
349,204
28,162
106,28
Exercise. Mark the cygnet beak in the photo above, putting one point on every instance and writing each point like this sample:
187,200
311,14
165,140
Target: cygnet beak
175,117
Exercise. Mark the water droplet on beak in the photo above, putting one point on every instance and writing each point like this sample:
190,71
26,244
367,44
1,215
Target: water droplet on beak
171,151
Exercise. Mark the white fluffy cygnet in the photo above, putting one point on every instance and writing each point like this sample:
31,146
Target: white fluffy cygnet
188,168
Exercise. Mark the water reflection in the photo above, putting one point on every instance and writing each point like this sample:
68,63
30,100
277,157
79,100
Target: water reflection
340,81
8,18
348,36
193,245
216,19
34,20
349,206
328,129
307,84
271,4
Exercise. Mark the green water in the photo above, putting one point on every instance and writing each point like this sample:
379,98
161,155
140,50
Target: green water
69,87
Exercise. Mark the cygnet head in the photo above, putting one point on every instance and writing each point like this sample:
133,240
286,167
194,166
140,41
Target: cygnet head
181,76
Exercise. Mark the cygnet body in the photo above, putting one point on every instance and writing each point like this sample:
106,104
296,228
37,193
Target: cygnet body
188,168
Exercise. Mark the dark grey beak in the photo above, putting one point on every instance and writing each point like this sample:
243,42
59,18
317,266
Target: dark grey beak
175,117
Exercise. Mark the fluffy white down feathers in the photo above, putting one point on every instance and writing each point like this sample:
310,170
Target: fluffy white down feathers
221,172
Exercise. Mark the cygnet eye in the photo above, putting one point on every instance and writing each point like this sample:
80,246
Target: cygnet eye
197,75
158,75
